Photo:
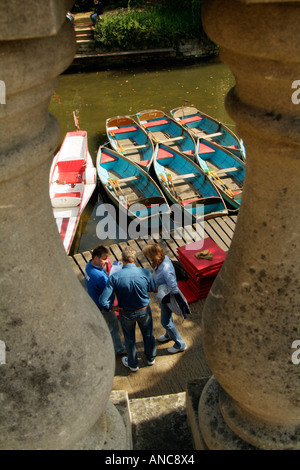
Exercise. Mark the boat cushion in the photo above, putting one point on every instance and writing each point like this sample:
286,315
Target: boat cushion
66,199
70,171
189,201
144,162
191,119
106,157
205,148
163,153
160,122
202,200
122,130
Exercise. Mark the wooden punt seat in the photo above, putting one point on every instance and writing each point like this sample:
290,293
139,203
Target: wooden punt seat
71,199
132,148
185,177
173,139
128,179
228,170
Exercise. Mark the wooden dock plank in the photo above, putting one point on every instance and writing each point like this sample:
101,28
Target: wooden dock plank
230,222
215,237
81,263
141,243
141,261
77,270
223,230
87,255
115,249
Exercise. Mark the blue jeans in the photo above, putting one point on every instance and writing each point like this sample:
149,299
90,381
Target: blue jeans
113,326
94,17
144,319
168,323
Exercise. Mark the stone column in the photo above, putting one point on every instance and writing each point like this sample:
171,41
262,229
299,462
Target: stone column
58,365
251,317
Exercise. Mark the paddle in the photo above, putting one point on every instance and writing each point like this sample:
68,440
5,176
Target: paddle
215,177
76,121
169,176
112,183
121,150
119,187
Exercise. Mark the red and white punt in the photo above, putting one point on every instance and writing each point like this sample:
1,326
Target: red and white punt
72,182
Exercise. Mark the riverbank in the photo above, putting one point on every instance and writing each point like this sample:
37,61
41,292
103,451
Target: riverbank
89,56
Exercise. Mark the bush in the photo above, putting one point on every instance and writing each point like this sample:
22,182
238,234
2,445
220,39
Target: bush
88,5
83,5
160,26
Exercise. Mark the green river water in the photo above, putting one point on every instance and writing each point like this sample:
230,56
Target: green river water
96,96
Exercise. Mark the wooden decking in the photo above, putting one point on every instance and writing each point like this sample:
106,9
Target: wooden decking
170,373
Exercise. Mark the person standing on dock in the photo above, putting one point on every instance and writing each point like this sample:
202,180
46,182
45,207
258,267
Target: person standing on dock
96,278
131,286
164,274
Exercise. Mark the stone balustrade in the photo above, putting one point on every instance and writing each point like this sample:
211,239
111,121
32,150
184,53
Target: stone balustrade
57,375
251,317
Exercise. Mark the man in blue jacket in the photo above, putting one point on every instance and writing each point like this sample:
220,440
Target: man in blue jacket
96,278
131,286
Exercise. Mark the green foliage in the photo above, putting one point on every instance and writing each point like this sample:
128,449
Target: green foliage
88,5
83,5
160,26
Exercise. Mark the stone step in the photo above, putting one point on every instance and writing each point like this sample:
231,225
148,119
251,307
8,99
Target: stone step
81,37
85,45
160,423
84,31
84,42
82,28
194,390
119,398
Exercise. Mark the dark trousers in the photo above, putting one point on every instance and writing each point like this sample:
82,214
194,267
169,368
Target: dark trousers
128,322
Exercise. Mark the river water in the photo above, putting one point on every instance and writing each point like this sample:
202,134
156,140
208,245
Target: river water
96,96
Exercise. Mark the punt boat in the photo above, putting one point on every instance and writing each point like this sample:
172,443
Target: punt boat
129,186
72,181
203,126
166,130
130,139
226,170
186,184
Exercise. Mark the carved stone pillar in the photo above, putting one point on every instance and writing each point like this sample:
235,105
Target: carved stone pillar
57,370
251,317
